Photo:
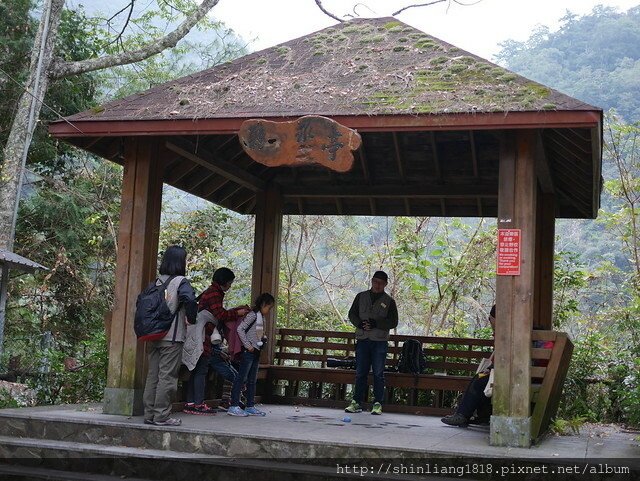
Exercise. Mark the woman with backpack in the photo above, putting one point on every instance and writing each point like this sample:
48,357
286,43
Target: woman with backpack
251,333
165,354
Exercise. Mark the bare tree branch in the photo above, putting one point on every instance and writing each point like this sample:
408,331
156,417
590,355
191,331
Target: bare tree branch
326,12
418,5
126,23
61,69
433,3
119,12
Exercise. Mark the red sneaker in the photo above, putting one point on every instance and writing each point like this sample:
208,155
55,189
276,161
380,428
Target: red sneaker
203,409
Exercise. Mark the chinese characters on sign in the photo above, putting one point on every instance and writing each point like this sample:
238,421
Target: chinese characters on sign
508,263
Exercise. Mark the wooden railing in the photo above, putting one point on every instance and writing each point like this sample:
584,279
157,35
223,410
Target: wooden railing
300,373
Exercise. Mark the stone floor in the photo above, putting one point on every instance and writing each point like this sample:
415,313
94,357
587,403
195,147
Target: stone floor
397,433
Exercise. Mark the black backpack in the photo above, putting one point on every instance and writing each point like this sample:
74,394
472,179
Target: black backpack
153,317
412,359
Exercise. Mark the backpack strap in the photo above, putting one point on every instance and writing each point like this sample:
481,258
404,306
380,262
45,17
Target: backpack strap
251,325
166,283
175,314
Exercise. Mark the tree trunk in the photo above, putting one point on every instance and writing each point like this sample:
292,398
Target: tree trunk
24,122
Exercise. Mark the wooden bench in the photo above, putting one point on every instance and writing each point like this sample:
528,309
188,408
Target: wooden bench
300,374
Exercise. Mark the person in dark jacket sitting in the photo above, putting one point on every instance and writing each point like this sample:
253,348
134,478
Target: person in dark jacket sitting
373,313
474,399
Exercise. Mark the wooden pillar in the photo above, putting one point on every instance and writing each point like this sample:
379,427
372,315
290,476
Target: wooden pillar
545,239
511,421
136,266
266,256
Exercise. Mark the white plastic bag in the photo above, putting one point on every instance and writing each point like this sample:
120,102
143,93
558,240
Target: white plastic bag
488,391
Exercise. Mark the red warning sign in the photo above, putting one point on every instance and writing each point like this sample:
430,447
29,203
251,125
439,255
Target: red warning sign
508,263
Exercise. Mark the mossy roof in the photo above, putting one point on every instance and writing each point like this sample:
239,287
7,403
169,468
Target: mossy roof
363,67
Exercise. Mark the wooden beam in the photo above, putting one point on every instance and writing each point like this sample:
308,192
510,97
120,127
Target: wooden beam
363,163
249,206
569,140
372,205
395,191
399,160
364,123
206,191
135,267
543,169
91,142
266,256
339,208
225,142
474,156
114,150
596,161
407,206
229,194
510,424
545,238
201,179
222,167
578,161
436,159
240,199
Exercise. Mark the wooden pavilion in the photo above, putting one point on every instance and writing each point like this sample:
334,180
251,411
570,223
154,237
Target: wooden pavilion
445,133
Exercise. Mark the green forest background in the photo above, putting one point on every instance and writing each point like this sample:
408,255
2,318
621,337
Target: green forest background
441,270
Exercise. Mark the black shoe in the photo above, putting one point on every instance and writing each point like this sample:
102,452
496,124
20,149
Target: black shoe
478,421
456,420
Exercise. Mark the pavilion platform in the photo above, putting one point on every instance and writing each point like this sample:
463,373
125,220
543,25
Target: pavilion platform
291,442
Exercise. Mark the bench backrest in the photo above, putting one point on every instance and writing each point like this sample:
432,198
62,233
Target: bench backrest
311,348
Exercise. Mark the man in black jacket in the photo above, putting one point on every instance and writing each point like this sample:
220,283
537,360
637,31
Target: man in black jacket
373,313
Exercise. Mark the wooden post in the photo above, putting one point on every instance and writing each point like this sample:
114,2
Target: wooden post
545,239
511,421
266,257
136,266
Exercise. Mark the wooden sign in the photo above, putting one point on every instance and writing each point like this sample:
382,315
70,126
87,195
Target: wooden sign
310,140
509,242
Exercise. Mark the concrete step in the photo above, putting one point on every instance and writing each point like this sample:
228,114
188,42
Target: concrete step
29,458
187,439
28,473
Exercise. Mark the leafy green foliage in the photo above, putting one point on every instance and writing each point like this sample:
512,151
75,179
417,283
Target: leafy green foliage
597,292
64,97
70,228
568,281
585,54
213,238
7,400
584,392
69,218
73,380
565,427
16,38
446,266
